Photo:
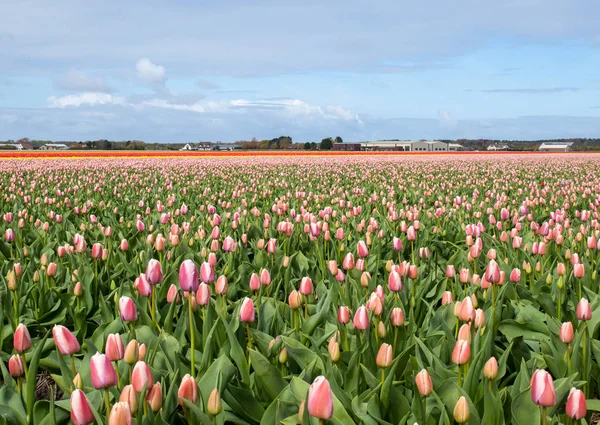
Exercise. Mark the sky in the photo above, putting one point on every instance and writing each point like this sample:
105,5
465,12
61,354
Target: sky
227,70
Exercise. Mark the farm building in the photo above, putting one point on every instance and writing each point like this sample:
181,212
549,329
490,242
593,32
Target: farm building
493,148
410,146
555,147
54,147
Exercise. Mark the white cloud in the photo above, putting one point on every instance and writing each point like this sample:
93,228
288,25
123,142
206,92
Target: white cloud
446,119
78,81
87,98
149,72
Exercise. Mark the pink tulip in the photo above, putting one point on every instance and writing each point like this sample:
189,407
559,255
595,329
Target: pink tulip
265,277
65,341
172,294
566,332
348,262
124,246
578,270
143,286
361,249
9,235
462,352
203,294
114,347
207,273
228,244
320,399
385,356
343,315
247,310
450,271
16,368
142,375
120,414
188,390
127,309
394,281
542,389
154,272
361,318
188,276
411,234
21,339
447,298
467,311
254,282
102,371
81,414
397,317
584,311
96,251
424,383
576,404
306,286
221,285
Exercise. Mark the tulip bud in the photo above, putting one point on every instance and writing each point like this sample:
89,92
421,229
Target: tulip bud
15,366
132,351
81,414
142,375
214,405
461,411
154,397
114,347
120,414
576,405
64,340
247,310
384,356
566,332
397,317
188,390
461,353
142,352
490,369
424,383
129,395
584,311
320,399
542,389
78,381
334,350
294,300
343,315
102,371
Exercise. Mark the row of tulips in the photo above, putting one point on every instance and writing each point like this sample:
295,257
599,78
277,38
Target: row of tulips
278,290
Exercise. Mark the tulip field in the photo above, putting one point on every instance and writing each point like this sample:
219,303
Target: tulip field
363,289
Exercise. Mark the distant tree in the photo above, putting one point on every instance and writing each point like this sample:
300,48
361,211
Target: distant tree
326,144
307,146
338,139
313,146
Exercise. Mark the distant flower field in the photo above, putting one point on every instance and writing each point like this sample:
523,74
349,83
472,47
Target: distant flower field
286,288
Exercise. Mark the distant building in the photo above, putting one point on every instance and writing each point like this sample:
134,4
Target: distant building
201,146
497,148
54,147
555,146
410,146
11,146
346,146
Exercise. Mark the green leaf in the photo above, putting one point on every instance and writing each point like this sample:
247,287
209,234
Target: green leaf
266,376
32,374
524,411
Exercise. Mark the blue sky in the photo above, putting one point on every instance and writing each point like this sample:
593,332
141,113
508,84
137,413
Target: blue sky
175,71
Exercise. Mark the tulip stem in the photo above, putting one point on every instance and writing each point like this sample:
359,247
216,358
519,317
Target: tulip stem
24,366
192,337
544,415
107,403
459,376
584,355
73,365
382,376
249,342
